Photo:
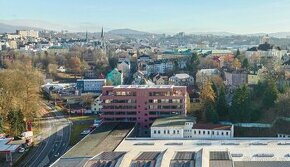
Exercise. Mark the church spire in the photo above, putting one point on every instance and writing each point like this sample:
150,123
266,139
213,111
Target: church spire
102,33
87,40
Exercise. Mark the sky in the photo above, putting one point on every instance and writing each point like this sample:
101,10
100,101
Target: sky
158,16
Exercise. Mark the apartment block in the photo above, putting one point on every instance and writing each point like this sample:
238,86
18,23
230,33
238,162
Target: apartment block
142,103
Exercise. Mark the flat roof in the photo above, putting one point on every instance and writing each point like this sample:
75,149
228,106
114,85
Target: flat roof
172,121
6,147
262,164
243,148
211,126
182,76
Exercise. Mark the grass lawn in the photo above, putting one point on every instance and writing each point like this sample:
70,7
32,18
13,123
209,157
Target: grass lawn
83,118
75,133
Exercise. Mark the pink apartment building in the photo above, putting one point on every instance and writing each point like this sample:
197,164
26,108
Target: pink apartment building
142,103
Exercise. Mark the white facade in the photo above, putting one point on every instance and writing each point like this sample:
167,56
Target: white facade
91,85
189,130
61,69
270,53
167,132
208,134
96,105
181,80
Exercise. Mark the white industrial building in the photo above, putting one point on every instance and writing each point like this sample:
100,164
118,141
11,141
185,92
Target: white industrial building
182,127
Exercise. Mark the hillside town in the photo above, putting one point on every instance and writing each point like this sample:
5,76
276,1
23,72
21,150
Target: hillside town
144,83
142,88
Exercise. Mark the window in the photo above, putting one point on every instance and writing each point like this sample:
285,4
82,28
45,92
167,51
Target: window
212,132
208,132
154,131
158,131
168,131
173,131
222,133
194,132
204,132
164,131
227,133
217,133
177,131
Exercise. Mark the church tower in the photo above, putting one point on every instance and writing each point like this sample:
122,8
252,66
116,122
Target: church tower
87,40
265,39
102,38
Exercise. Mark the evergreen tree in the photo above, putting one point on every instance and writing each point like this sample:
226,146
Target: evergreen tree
271,94
16,121
1,125
237,53
192,64
210,113
245,63
221,104
240,110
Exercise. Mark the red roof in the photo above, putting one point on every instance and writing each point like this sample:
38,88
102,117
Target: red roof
211,126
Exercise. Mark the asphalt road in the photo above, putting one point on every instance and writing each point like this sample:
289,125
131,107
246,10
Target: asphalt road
55,142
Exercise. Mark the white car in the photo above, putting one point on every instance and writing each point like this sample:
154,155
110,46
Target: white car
21,150
85,132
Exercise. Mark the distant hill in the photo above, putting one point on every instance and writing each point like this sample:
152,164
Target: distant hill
5,28
214,33
127,32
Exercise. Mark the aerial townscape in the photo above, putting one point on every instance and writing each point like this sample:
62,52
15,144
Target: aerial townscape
100,95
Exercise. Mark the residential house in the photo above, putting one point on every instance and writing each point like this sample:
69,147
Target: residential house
160,80
235,78
115,77
124,66
61,69
181,80
204,75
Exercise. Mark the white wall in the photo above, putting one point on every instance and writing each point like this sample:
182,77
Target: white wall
167,132
209,134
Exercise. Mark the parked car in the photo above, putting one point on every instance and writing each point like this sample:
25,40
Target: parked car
21,150
85,132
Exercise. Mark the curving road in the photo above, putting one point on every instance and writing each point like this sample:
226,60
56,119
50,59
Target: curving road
55,141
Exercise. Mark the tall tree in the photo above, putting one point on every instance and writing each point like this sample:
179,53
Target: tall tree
75,64
271,94
207,93
283,103
237,53
241,105
221,104
210,113
245,64
236,64
16,121
1,125
193,63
